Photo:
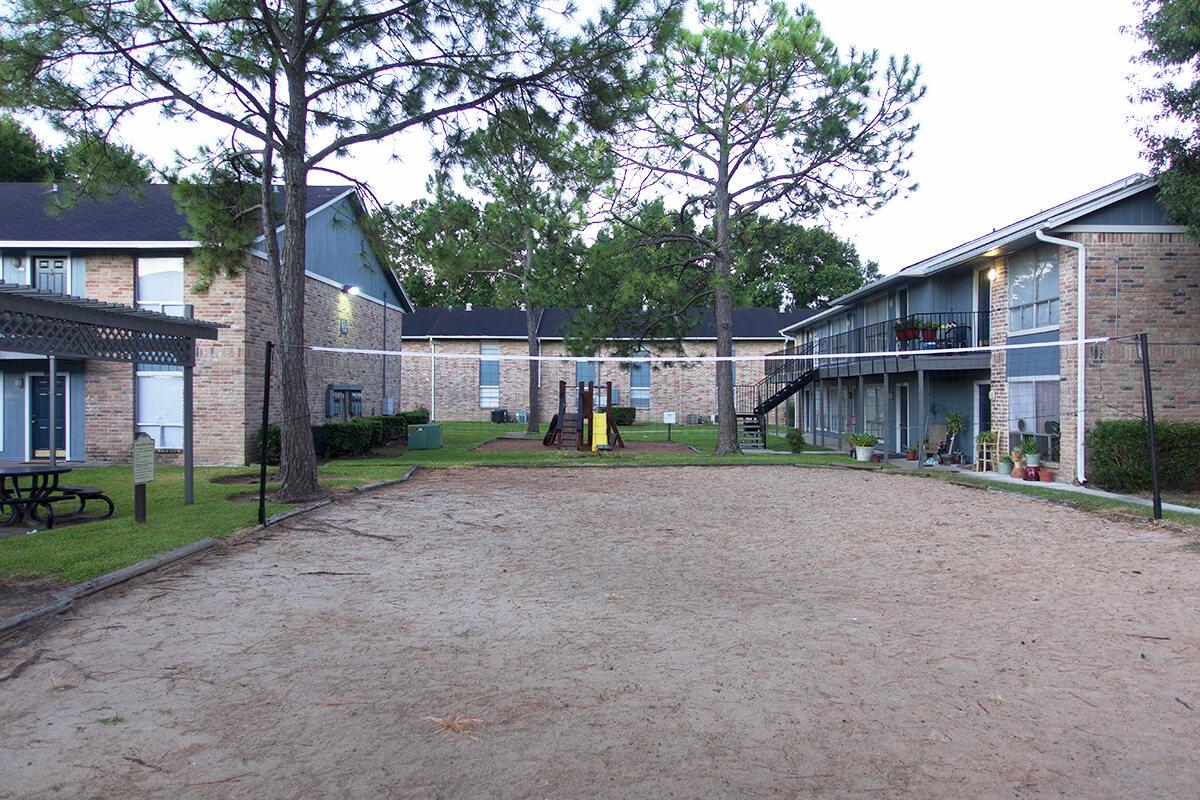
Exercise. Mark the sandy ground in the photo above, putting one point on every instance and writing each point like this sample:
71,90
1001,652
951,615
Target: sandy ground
509,445
679,632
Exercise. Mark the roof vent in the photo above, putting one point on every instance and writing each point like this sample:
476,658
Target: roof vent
468,306
522,306
589,306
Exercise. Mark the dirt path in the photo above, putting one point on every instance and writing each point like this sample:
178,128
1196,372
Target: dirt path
679,632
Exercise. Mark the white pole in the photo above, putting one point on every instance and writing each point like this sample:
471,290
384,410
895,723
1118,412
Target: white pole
1080,351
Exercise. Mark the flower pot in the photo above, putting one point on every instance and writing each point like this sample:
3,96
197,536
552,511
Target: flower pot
1033,459
911,455
1031,473
1045,475
863,453
1017,471
1004,467
928,336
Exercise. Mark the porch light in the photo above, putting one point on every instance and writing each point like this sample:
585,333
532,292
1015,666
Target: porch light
993,273
350,289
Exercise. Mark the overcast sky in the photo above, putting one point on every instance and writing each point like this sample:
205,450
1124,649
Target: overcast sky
1027,106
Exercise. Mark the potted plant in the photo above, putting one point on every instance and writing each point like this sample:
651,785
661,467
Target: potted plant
1045,475
1004,466
954,426
863,444
1030,451
911,454
906,330
929,330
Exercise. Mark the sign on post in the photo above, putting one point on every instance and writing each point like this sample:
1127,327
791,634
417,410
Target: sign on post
143,473
669,419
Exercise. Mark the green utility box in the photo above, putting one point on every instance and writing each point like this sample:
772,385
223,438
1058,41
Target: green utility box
424,437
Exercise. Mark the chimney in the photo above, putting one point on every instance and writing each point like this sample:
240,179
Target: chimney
468,307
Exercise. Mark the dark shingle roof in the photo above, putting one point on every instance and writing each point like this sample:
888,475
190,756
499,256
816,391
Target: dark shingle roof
148,215
496,323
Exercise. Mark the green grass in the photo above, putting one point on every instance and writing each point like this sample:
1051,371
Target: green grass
77,552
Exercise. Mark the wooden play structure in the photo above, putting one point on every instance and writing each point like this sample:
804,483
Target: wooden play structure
584,428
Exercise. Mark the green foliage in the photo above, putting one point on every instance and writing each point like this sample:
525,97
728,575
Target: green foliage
795,440
989,437
954,423
272,445
22,157
1030,446
1171,32
784,265
1119,455
861,439
222,206
351,438
624,416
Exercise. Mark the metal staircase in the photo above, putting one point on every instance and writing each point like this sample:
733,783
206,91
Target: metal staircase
783,378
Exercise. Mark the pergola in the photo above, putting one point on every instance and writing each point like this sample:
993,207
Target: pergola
62,326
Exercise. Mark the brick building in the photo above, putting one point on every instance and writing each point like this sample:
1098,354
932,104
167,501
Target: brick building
1019,284
470,388
130,249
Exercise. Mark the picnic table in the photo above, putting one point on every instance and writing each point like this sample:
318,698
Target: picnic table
33,489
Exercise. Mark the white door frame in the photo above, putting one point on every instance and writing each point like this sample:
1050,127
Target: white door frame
902,421
27,424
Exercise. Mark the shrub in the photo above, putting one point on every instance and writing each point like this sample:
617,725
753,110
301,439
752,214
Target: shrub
272,445
394,427
350,438
418,416
795,440
1119,455
623,415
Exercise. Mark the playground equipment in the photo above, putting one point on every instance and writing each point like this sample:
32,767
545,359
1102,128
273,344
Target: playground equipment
584,427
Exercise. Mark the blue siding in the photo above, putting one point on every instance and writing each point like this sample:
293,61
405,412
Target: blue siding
337,249
16,413
1141,209
1036,360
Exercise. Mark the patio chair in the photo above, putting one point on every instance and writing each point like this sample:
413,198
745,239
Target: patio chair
935,441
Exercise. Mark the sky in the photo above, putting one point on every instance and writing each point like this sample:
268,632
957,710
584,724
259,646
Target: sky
1027,106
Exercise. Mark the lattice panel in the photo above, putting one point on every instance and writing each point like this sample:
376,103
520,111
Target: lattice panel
29,333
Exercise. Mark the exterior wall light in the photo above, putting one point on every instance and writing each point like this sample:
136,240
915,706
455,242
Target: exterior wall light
349,289
993,273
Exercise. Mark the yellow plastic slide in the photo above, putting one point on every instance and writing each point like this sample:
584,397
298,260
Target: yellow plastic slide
599,431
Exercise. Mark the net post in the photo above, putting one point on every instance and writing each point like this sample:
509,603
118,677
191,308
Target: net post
1148,391
262,456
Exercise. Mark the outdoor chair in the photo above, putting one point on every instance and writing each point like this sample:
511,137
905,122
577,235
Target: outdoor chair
935,441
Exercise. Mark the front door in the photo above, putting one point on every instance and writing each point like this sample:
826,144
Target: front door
983,407
50,273
39,416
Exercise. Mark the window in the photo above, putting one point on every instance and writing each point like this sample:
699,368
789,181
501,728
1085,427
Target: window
1033,289
639,383
874,411
489,376
1033,410
158,394
585,371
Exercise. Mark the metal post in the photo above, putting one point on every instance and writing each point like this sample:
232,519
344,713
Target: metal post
1143,341
188,456
923,415
262,458
52,379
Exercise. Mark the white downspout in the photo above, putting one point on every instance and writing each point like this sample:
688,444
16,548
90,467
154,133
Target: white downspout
432,377
1080,355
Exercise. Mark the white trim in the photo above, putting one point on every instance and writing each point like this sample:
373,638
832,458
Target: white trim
341,288
1033,331
27,423
1033,378
100,244
1122,229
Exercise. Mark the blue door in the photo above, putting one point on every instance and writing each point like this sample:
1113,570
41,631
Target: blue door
39,416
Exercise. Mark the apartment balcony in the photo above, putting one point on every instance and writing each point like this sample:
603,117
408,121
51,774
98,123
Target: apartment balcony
906,344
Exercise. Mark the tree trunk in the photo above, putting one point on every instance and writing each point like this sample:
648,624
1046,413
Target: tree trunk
297,459
534,419
727,442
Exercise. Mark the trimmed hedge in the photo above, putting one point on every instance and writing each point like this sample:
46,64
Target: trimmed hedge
1119,456
795,440
623,416
351,438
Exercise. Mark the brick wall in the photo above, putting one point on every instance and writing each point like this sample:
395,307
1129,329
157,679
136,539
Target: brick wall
1155,288
682,388
998,335
108,386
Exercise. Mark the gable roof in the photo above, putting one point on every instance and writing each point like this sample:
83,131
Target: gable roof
553,323
1015,233
146,217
